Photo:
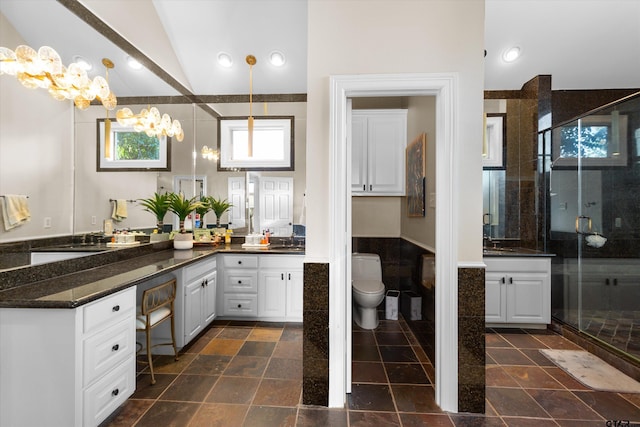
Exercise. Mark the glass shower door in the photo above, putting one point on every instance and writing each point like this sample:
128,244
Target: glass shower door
595,225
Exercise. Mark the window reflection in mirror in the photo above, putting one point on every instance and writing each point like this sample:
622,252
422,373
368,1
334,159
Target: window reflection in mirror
493,203
270,148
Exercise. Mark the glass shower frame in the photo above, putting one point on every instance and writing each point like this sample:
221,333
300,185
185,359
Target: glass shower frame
591,166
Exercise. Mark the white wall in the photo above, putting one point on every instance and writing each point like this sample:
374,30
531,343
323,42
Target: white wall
354,37
36,152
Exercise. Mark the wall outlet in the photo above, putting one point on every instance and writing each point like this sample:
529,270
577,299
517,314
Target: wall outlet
47,222
618,222
93,220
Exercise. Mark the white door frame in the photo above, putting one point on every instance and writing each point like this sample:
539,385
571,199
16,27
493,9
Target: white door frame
444,86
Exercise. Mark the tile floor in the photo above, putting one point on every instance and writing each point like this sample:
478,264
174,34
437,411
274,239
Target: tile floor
250,374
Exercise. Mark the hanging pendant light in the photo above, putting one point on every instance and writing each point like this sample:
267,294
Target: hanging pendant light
107,123
251,60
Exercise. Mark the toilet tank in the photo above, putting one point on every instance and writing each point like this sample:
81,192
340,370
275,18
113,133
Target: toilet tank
366,267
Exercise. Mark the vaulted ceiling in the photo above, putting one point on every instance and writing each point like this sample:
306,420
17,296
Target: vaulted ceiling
582,44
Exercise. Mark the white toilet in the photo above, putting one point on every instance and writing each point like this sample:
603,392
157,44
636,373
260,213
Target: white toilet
368,289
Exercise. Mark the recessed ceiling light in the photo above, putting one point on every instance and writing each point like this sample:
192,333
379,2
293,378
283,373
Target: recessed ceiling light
82,62
277,58
511,54
225,60
133,63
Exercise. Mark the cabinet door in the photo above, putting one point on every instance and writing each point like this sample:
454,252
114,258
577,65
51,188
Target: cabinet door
272,293
193,309
358,153
209,299
528,296
386,139
495,297
294,295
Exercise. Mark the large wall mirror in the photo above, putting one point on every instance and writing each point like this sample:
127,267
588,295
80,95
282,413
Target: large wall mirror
48,150
503,176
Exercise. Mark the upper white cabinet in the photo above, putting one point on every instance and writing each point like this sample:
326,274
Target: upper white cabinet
518,291
379,139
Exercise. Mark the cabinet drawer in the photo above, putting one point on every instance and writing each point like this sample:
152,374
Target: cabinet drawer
109,310
282,262
104,350
240,305
241,281
111,391
241,261
199,269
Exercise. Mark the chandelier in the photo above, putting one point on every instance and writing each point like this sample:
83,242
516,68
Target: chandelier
44,69
150,122
209,153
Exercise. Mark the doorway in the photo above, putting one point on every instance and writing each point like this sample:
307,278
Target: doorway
444,88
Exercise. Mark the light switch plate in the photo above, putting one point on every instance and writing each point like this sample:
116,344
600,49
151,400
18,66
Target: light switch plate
432,200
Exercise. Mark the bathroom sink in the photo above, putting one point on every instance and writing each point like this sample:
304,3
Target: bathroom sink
88,247
288,248
497,251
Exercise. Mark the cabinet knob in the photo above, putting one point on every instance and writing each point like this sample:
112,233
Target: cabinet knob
502,280
115,392
606,282
115,308
239,262
511,280
206,282
239,282
289,276
281,276
115,347
615,282
370,187
239,305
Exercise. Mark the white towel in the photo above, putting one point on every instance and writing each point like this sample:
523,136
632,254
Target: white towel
119,210
15,210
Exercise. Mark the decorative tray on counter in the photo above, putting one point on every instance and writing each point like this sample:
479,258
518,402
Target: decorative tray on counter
122,245
256,245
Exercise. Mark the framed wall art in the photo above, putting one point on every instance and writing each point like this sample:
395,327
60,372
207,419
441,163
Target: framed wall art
416,176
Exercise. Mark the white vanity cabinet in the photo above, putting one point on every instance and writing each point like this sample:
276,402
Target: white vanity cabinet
518,291
67,367
199,283
265,287
280,287
379,139
240,285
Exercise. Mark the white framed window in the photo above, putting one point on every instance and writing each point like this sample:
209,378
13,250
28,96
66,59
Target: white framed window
272,149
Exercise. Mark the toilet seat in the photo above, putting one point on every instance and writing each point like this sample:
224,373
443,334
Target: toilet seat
368,286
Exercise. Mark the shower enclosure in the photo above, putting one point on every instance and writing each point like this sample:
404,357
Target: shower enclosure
592,168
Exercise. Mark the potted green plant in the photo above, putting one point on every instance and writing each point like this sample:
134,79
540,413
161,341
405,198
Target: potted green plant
219,207
202,210
182,207
157,205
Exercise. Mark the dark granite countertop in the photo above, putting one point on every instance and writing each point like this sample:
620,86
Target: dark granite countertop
514,252
81,287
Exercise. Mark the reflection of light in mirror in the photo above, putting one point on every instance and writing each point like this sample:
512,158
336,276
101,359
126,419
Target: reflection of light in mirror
209,153
268,144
